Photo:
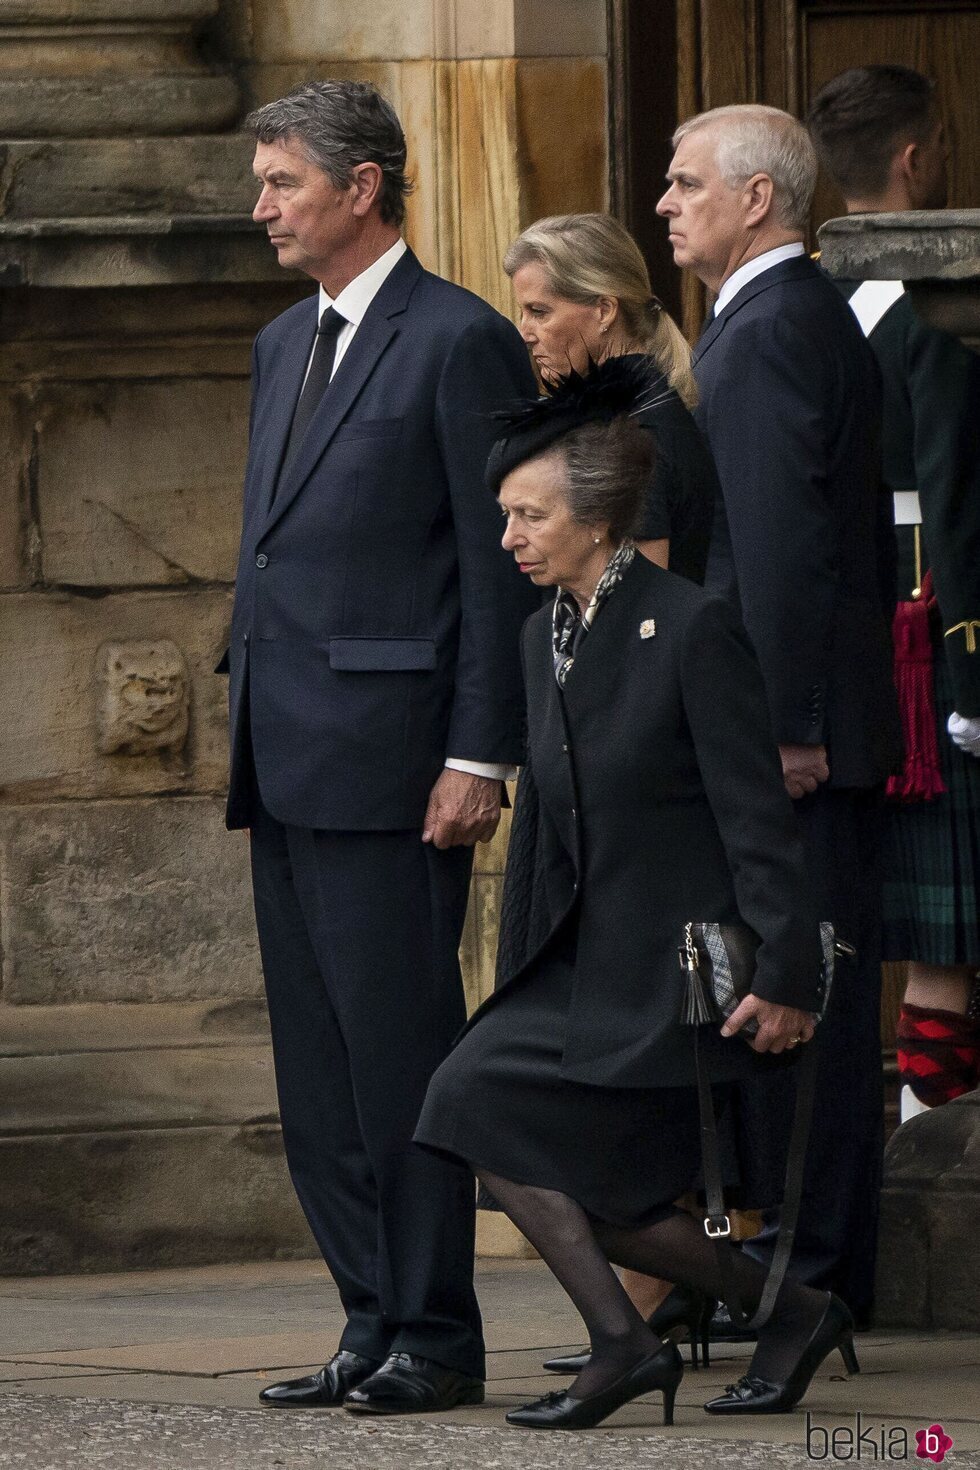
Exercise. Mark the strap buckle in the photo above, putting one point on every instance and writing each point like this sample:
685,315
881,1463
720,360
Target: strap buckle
717,1227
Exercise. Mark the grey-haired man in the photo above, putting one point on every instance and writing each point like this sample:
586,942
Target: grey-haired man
375,706
790,406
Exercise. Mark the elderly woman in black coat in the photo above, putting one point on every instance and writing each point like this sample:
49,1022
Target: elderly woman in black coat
659,801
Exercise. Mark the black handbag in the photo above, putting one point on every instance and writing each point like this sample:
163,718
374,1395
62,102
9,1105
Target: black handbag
720,961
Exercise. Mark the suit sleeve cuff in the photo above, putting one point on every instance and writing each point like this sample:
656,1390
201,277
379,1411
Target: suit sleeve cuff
481,768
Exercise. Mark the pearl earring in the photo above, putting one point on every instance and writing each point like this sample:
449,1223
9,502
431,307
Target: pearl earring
597,540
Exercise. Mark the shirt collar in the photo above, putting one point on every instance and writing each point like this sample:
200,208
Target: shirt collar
354,300
753,268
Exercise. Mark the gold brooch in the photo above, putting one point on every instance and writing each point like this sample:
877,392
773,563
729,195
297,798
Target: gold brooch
648,628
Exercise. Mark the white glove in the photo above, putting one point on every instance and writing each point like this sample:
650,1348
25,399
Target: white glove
965,732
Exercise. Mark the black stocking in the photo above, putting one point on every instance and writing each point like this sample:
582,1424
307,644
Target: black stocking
678,1249
562,1234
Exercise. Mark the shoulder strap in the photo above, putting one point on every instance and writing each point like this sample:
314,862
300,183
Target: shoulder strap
872,300
717,1224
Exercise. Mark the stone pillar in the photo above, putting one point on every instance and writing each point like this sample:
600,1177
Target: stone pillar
503,101
137,1111
930,1218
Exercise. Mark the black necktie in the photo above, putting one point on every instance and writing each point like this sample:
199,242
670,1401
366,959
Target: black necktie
317,381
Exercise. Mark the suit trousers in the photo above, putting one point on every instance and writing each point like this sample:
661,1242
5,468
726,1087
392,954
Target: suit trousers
835,1244
359,935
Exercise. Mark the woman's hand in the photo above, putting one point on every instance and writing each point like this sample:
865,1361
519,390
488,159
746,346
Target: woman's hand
780,1027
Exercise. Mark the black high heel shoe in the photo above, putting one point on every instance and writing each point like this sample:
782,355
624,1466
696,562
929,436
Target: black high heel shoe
752,1395
682,1307
662,1370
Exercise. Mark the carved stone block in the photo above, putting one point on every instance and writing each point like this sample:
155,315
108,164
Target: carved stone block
143,697
48,742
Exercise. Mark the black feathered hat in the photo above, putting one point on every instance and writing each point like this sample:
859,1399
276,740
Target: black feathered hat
616,387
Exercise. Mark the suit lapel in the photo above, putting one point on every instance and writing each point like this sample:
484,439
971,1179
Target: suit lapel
798,267
359,361
608,641
284,393
710,335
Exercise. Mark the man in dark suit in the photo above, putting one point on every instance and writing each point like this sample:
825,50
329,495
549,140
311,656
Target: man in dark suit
376,705
879,133
790,407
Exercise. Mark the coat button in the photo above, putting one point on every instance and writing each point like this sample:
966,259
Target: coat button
261,560
564,747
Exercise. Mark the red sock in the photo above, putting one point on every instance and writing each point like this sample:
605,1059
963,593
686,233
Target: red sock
938,1053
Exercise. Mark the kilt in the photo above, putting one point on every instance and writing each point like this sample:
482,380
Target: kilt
931,857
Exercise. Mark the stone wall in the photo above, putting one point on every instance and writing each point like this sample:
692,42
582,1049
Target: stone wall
137,1105
504,103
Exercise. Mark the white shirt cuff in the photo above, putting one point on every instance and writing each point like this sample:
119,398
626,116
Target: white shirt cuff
481,768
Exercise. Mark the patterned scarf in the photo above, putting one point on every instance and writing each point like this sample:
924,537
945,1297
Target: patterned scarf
571,626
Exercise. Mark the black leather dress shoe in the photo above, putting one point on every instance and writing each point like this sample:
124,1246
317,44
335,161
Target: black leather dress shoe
682,1307
405,1384
325,1389
753,1395
661,1371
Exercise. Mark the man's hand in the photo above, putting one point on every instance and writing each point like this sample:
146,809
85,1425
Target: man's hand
964,731
804,768
780,1027
462,810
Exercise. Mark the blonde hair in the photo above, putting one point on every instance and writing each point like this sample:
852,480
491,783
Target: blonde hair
586,256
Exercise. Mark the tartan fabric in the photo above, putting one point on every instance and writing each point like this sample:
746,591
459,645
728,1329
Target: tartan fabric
938,1054
932,858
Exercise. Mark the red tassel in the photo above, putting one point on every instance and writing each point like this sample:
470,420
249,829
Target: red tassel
920,779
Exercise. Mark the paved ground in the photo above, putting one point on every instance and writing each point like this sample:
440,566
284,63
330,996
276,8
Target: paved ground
160,1371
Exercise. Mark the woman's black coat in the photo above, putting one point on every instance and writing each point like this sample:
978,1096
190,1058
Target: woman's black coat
653,795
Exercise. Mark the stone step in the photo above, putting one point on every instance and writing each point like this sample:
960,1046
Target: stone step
116,1067
138,1135
100,106
52,1030
73,178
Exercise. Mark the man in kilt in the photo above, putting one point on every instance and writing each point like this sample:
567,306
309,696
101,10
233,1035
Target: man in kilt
879,134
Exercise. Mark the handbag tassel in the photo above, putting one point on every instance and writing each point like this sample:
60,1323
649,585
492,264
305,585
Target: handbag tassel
696,1009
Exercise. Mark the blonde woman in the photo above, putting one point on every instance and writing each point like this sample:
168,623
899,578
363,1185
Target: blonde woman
584,292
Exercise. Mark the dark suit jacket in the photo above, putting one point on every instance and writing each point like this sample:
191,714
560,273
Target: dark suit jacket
931,443
376,616
653,796
790,405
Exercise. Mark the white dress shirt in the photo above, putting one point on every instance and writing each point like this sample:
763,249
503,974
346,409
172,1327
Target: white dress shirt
753,268
356,297
352,304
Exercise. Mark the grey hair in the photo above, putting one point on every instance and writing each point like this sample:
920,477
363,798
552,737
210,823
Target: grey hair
607,469
754,139
340,124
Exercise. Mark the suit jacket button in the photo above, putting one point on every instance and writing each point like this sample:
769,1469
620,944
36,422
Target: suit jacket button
564,747
261,560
